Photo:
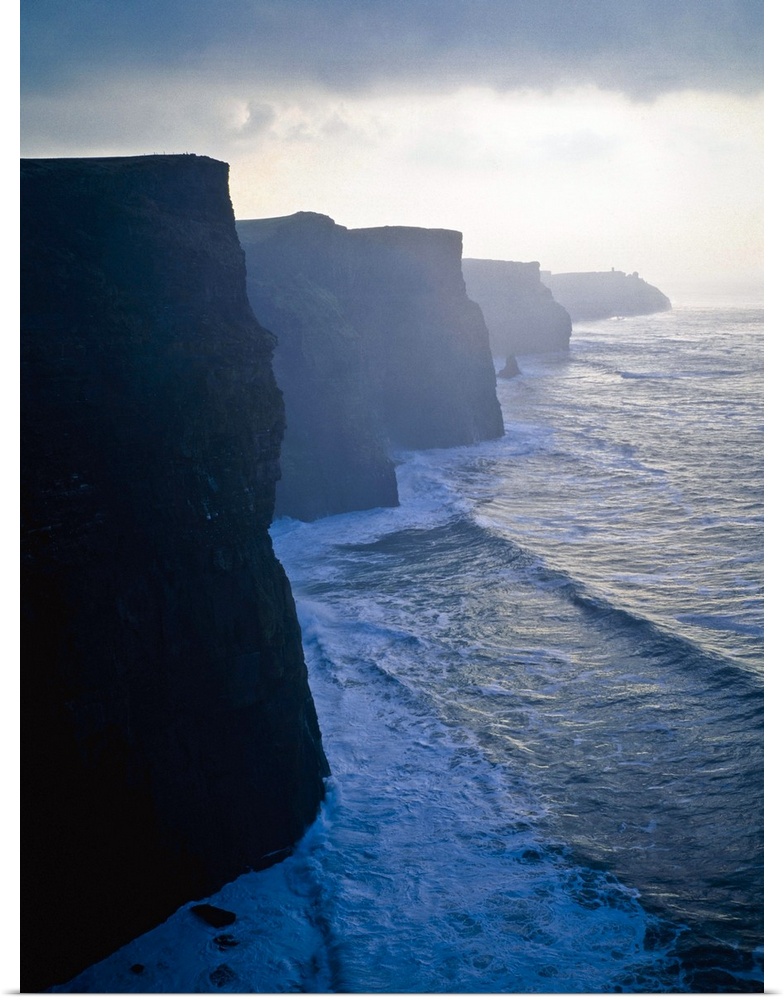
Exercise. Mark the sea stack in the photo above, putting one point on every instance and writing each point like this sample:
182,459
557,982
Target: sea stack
511,369
521,314
169,738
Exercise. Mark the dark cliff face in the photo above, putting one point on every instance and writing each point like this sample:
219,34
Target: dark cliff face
437,382
376,330
334,457
521,314
169,740
600,294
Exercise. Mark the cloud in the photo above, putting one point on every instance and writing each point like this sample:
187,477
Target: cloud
640,47
582,133
127,114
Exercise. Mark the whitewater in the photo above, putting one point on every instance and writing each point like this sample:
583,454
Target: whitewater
539,683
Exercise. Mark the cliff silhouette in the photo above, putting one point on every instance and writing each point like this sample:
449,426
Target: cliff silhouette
379,347
169,738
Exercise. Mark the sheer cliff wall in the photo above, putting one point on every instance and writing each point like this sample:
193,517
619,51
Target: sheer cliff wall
169,739
430,340
376,332
521,315
334,456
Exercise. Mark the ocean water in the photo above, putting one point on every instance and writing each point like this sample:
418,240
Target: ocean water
539,682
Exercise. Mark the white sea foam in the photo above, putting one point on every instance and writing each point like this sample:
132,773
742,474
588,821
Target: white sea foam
545,756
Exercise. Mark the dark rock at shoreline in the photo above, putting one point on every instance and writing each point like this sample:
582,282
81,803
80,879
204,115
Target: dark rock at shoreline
589,295
521,314
511,369
224,975
169,739
224,942
215,916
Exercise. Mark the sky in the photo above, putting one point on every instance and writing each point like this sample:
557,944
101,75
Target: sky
585,134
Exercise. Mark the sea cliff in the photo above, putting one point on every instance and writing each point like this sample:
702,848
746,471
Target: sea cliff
521,314
169,739
430,341
590,295
376,331
334,456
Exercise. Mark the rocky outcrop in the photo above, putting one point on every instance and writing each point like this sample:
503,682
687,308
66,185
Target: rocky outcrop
511,369
521,314
169,739
590,295
376,331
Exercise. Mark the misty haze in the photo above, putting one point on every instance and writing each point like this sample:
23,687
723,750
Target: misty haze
392,496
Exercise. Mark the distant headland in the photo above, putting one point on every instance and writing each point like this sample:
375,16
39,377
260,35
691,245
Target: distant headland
590,295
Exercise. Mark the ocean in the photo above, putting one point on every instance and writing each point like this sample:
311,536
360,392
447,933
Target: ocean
539,683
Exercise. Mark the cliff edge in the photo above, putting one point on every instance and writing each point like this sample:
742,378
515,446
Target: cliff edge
521,315
169,739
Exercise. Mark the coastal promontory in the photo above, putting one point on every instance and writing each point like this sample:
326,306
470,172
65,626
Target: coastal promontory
169,738
521,314
589,295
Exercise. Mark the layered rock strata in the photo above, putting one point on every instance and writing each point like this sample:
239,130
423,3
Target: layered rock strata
169,739
376,331
521,315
